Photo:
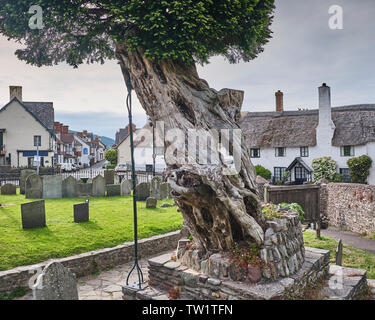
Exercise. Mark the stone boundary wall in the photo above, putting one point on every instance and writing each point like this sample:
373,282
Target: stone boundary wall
349,206
90,262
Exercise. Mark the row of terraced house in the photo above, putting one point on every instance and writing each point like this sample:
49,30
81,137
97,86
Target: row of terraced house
29,129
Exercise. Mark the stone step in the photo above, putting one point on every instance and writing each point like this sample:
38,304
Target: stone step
345,283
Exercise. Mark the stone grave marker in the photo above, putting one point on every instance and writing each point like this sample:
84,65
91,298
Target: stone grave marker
34,187
8,189
81,212
113,190
84,189
52,187
125,187
151,203
155,188
143,191
33,215
109,176
165,190
339,253
24,175
98,186
56,283
69,188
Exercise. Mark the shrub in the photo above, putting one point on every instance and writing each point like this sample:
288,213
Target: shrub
111,156
110,166
359,168
324,168
296,207
263,172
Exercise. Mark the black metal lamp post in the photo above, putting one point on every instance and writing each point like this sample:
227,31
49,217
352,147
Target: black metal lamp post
136,285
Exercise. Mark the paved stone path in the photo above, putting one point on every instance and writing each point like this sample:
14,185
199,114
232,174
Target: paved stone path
350,238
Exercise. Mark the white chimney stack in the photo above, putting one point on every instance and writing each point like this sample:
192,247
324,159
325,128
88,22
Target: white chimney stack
15,92
325,110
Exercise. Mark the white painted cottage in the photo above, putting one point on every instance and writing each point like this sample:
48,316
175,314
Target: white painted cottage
293,139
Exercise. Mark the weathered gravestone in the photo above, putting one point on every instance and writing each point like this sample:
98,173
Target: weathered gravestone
117,179
8,189
98,186
125,187
81,212
52,187
151,203
24,175
56,283
34,187
143,191
113,190
109,176
339,251
69,188
84,189
165,190
155,188
33,214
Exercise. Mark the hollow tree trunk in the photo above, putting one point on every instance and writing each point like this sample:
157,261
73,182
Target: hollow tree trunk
219,210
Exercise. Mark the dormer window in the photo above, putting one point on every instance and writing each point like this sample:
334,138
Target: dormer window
347,151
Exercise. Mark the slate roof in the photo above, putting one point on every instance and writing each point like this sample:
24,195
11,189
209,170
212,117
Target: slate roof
355,125
43,111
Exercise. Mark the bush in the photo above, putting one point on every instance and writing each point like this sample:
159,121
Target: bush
324,168
359,168
110,166
111,156
296,207
263,172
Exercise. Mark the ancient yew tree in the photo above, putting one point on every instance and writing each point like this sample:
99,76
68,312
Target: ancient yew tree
157,44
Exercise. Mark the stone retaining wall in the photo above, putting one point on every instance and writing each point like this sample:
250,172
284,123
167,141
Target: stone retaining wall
91,262
168,275
349,206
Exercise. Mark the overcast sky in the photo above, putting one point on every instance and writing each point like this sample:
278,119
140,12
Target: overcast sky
303,53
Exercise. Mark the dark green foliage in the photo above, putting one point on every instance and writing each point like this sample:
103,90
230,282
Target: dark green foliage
263,172
359,168
111,156
185,30
19,292
296,207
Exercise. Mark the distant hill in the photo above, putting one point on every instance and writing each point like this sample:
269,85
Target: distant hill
109,142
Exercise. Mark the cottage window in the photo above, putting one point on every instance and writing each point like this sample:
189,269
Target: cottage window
304,151
37,141
278,173
255,153
346,173
347,151
280,152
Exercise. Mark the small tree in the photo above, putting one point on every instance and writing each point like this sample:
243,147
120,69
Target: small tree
324,168
111,156
263,172
359,168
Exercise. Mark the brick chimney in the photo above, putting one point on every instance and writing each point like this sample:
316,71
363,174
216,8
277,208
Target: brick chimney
279,101
65,129
15,92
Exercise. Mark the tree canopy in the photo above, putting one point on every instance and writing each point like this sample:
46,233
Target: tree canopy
189,31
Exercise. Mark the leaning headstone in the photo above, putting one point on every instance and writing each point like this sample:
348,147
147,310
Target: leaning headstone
56,283
33,215
69,188
84,189
155,188
52,187
8,189
81,212
143,191
125,187
34,187
165,190
113,190
151,203
98,186
24,175
109,176
339,250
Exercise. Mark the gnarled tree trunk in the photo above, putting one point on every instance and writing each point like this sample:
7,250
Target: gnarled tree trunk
219,210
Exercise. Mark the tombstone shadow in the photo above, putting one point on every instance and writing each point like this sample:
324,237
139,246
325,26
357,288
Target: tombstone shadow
89,225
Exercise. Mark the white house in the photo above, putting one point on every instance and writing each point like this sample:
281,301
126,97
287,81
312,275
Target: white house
82,151
282,139
24,125
143,150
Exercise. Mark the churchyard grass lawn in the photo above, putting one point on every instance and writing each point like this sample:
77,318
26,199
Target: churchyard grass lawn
352,257
111,224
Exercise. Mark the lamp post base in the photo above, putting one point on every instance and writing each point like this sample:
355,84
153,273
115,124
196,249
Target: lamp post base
130,291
